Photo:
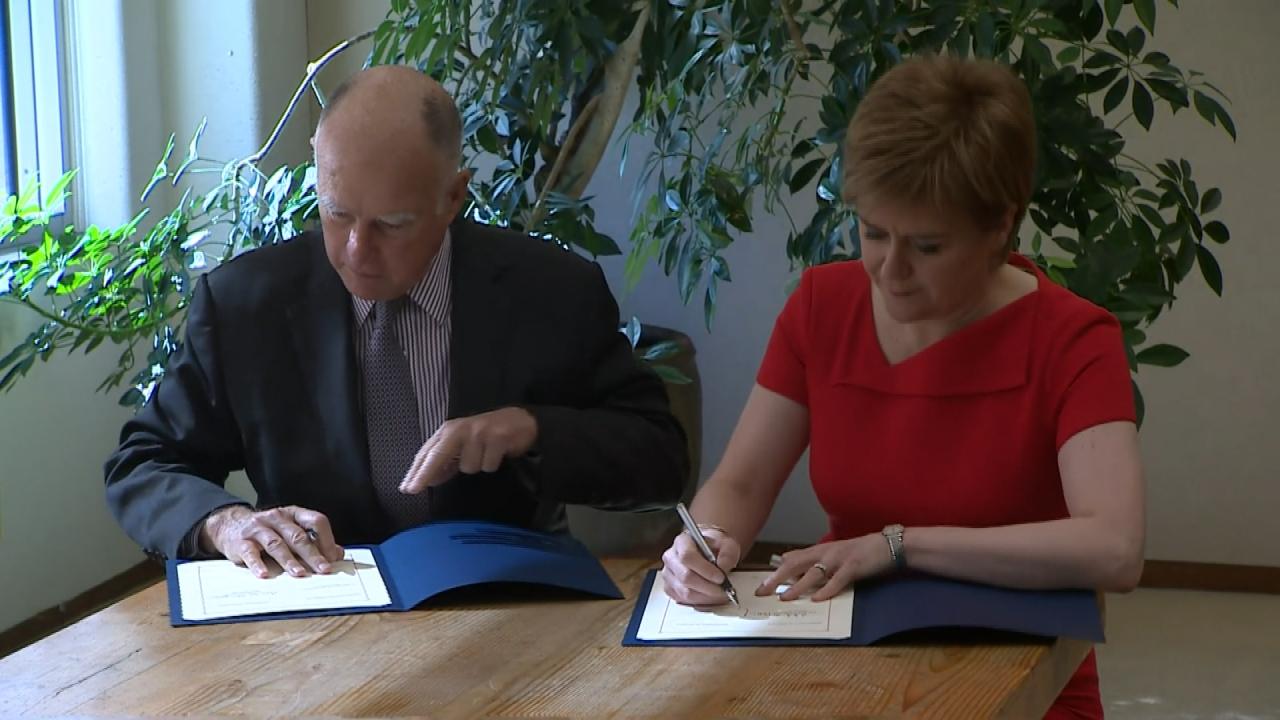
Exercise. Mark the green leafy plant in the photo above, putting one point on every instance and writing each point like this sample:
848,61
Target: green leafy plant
718,138
542,84
129,286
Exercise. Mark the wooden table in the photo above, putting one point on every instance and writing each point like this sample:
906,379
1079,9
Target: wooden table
503,659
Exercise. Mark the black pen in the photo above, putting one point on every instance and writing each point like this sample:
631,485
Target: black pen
691,527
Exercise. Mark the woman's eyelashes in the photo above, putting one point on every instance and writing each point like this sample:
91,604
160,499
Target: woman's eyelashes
921,246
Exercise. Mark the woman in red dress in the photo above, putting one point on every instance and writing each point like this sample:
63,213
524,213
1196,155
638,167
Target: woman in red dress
964,415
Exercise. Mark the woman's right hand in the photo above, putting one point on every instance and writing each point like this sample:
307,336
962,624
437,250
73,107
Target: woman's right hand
689,578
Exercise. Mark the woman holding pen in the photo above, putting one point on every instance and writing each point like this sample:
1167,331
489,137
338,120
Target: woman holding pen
964,415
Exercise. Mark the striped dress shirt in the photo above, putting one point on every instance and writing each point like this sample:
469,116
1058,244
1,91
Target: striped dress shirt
424,331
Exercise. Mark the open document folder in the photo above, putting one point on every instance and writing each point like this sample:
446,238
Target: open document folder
395,575
876,609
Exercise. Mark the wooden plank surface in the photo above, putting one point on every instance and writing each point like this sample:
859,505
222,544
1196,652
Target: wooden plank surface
528,658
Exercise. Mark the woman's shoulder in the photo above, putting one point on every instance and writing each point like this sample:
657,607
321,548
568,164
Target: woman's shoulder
828,296
1069,329
842,279
1058,307
826,307
1061,308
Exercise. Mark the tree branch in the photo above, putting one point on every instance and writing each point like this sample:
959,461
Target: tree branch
313,69
793,29
586,140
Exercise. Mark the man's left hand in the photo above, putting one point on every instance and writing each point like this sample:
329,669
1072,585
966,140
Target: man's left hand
471,445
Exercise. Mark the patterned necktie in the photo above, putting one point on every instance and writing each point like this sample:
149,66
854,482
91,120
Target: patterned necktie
391,417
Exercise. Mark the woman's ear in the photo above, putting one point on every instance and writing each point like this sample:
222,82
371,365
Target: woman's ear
1001,237
1006,224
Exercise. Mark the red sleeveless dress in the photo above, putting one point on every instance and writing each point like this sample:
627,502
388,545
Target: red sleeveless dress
965,432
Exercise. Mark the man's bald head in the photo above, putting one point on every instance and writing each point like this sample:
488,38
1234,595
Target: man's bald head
388,184
394,98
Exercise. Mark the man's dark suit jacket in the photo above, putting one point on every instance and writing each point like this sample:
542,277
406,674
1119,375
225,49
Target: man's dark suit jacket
267,381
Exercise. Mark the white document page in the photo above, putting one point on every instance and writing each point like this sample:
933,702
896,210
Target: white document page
210,589
759,617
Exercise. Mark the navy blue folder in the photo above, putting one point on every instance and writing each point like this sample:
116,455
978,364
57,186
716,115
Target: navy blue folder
422,562
917,602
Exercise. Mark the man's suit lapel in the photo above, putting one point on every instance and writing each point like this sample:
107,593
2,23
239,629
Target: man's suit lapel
479,324
321,323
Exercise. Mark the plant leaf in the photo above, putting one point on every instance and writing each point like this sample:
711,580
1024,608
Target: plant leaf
1143,108
1146,12
1213,112
1217,231
161,171
56,193
1113,11
1162,355
1210,201
670,375
1174,95
662,350
1209,269
1116,94
800,178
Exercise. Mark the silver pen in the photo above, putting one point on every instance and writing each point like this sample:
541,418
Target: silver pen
691,527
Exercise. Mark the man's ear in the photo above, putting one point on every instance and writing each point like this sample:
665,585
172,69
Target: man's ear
456,194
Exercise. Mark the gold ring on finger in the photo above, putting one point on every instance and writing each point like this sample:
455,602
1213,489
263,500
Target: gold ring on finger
826,575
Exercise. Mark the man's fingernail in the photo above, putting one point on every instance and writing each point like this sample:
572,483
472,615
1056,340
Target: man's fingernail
324,567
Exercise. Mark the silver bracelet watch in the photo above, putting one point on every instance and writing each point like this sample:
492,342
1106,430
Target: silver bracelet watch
893,535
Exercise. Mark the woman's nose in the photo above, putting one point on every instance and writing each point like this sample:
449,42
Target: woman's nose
896,264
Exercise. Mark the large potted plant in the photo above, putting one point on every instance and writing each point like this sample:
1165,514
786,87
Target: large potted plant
541,85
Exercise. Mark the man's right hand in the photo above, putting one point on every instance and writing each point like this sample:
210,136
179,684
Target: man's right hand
243,536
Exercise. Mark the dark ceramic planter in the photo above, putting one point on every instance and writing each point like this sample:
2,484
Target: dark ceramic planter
620,533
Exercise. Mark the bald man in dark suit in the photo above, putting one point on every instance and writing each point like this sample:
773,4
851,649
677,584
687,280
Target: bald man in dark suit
401,366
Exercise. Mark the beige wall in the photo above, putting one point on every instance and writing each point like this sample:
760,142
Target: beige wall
1213,462
145,68
329,22
56,538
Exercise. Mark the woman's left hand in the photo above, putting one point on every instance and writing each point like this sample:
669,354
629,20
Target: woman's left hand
828,568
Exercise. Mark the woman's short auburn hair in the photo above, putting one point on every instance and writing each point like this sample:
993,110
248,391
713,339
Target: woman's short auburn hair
952,133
